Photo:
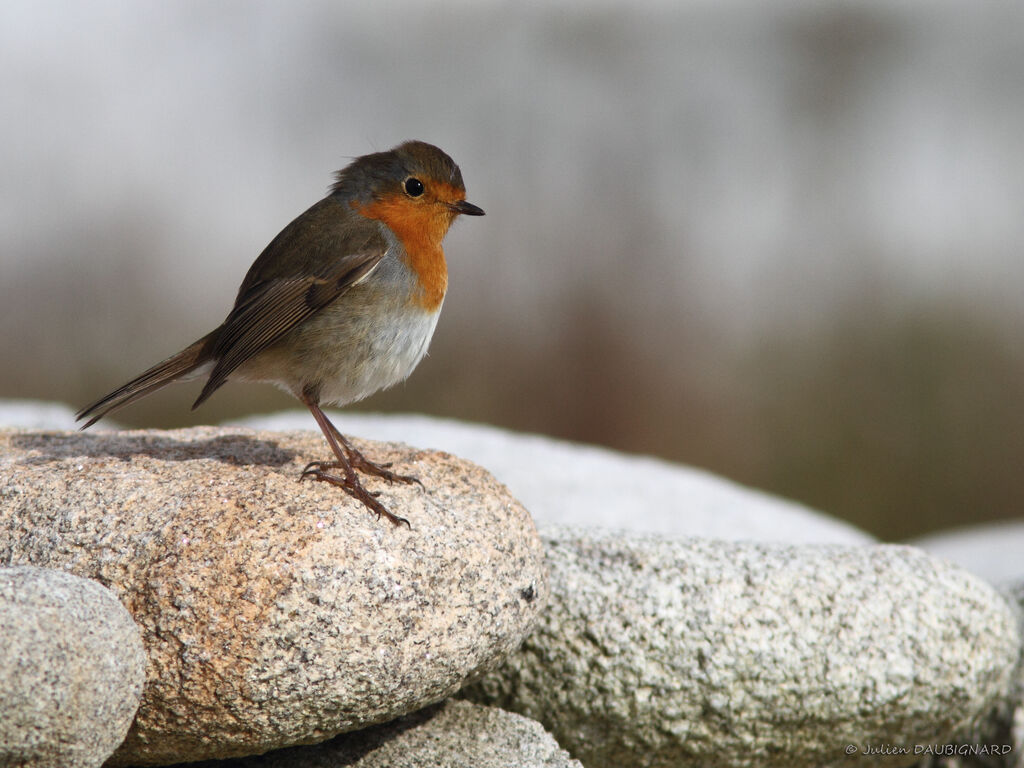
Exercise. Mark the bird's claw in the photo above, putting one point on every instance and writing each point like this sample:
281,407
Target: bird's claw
351,485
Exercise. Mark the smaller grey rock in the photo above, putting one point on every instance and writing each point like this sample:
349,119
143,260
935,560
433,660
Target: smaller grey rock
454,734
995,740
669,653
71,670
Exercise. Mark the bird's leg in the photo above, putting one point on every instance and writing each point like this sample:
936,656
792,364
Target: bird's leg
363,464
349,482
358,461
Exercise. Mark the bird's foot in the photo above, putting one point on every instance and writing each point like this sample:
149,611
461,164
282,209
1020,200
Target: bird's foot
364,465
351,485
369,467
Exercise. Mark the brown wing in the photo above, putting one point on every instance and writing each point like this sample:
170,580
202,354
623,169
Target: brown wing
314,260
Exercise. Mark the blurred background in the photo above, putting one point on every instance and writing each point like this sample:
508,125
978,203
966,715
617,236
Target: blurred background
780,241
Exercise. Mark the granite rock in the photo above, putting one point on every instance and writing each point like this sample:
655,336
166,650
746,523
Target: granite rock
561,482
455,734
657,652
275,612
995,740
566,483
71,670
991,550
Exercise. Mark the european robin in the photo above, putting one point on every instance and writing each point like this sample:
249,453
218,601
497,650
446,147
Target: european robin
342,303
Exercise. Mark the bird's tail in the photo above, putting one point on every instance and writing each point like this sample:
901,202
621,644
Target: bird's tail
174,368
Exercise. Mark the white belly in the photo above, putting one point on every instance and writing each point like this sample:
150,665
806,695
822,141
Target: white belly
383,357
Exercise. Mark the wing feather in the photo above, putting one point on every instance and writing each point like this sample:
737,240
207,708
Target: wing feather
298,274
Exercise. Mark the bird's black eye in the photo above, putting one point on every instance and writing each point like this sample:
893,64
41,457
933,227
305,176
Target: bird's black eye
413,187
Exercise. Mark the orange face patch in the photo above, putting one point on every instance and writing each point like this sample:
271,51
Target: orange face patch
420,225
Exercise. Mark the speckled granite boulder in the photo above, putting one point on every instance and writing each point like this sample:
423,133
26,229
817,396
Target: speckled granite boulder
71,670
568,483
562,482
275,612
456,734
997,739
659,652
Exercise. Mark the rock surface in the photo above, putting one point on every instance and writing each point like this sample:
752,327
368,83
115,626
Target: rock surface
71,670
697,652
275,612
997,739
991,550
455,734
562,482
573,484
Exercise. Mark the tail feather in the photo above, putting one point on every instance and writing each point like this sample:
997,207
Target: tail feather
160,375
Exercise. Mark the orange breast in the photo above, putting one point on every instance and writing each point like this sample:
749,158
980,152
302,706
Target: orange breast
420,228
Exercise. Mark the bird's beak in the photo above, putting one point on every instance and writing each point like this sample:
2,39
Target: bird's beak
467,208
